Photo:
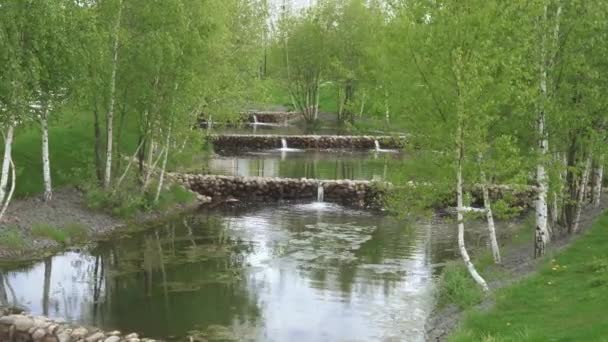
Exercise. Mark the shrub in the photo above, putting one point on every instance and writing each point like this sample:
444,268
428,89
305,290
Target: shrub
456,286
11,238
46,231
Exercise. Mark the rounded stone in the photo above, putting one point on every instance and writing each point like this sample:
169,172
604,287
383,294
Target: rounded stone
23,323
95,337
79,332
112,339
39,334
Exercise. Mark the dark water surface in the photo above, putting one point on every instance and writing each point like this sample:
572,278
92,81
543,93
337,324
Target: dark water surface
295,272
366,165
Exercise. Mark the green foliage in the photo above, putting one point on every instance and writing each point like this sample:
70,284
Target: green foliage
456,286
72,233
11,238
541,307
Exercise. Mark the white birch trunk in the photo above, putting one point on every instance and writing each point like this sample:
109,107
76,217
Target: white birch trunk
598,178
489,215
461,245
387,114
46,162
110,117
7,201
581,194
459,196
161,178
317,96
8,146
149,168
542,233
131,160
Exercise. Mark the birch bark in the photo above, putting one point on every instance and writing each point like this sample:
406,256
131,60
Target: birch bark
110,116
46,162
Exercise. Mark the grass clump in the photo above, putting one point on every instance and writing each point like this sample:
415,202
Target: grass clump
72,233
11,238
456,286
565,301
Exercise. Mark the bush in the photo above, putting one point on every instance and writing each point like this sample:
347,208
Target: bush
46,231
456,286
11,238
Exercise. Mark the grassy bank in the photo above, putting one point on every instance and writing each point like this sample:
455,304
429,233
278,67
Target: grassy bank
565,301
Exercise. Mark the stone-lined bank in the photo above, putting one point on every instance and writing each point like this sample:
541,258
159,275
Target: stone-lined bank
360,194
26,328
237,143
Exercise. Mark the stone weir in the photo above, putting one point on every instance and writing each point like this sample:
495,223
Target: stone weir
235,143
359,194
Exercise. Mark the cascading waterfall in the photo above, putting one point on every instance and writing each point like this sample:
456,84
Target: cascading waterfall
377,145
255,119
320,193
284,143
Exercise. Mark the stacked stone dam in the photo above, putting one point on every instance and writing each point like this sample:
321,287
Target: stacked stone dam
27,328
235,143
359,194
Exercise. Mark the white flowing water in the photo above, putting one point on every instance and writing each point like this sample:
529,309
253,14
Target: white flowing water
255,119
320,193
378,149
284,144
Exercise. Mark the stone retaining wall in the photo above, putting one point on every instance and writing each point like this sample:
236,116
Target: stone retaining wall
360,194
236,143
28,328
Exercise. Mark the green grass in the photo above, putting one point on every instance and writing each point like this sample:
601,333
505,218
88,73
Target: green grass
566,301
72,233
71,143
456,286
11,238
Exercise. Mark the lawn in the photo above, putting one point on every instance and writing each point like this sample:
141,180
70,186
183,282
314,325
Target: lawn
566,301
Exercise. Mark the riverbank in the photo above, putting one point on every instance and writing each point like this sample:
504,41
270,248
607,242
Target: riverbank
34,229
533,299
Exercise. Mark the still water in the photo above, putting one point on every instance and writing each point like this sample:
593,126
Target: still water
366,165
293,272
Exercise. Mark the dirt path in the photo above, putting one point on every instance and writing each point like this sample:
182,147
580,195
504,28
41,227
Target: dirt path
517,263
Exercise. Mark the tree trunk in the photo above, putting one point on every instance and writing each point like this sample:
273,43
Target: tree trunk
598,178
149,162
131,160
580,201
461,245
110,116
489,215
161,178
46,163
542,233
98,166
10,194
460,143
8,146
48,268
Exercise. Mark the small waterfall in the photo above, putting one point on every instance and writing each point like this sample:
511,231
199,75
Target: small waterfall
284,143
320,193
255,119
377,145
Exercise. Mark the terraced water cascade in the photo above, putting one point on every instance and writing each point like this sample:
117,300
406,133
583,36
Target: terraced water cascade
310,267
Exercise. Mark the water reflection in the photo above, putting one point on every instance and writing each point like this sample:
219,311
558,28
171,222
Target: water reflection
307,272
309,164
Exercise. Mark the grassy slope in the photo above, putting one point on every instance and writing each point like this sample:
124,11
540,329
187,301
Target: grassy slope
71,151
566,301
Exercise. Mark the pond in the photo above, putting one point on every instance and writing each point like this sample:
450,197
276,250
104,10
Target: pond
309,164
292,272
